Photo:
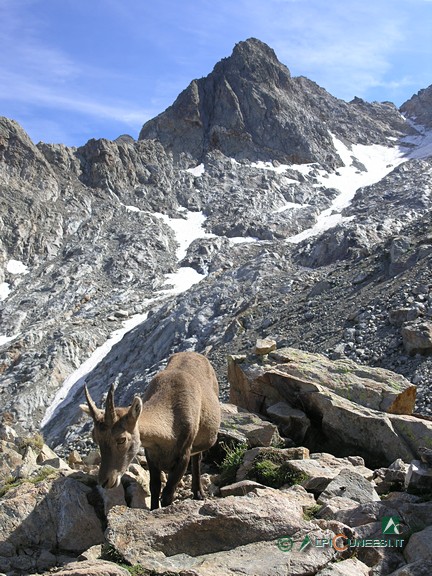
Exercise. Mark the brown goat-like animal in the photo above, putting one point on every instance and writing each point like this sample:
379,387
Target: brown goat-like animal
177,420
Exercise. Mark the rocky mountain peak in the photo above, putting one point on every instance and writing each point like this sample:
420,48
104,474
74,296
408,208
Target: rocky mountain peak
255,61
419,107
250,108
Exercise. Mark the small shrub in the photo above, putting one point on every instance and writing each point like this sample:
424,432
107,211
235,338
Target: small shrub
231,462
274,474
311,511
36,441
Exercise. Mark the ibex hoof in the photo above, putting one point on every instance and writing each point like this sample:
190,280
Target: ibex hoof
166,501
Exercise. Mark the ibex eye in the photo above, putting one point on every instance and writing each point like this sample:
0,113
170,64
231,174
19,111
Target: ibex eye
121,440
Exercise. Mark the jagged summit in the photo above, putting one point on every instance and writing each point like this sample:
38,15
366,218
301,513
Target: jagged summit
419,107
251,108
254,60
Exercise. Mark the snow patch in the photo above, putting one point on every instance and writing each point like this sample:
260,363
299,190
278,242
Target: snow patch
243,239
304,169
6,339
132,208
186,230
5,290
197,171
290,206
77,378
269,166
422,143
377,159
181,280
16,267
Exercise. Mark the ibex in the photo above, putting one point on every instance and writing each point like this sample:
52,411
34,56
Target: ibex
177,419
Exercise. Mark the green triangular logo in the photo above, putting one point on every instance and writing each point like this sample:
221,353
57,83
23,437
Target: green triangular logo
391,525
305,543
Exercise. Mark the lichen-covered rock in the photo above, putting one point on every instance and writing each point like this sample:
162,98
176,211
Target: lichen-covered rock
350,484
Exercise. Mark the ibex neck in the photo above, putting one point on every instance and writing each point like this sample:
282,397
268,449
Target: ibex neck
155,426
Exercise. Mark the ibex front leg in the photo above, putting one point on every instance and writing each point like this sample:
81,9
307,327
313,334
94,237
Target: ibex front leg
174,477
155,483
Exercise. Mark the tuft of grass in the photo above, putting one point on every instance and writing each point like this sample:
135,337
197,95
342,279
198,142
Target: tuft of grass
272,468
310,512
7,484
274,474
36,441
45,472
231,462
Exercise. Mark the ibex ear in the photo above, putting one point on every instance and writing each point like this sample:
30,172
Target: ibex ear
134,413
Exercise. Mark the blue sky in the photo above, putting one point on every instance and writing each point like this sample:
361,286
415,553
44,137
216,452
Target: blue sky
71,70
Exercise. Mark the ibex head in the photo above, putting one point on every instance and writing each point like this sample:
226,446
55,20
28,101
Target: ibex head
117,434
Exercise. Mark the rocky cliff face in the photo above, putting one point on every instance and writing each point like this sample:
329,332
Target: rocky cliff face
304,217
251,108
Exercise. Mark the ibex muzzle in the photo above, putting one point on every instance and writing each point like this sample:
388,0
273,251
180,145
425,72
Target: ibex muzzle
178,419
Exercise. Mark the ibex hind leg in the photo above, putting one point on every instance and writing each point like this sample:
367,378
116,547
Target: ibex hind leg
174,476
155,483
197,489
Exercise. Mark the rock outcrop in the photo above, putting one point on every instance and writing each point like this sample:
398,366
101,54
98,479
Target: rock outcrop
419,107
346,407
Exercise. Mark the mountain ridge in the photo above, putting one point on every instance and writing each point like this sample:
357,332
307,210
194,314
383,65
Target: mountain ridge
251,108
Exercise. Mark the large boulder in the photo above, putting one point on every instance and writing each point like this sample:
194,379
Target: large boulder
237,534
349,406
374,388
37,518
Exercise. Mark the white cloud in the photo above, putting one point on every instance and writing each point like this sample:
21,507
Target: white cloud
33,72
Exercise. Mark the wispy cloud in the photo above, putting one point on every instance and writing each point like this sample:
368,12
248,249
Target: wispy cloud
14,86
345,46
35,73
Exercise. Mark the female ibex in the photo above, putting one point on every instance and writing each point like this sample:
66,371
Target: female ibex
178,419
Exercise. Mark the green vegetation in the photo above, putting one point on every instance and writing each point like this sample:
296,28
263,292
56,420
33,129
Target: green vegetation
231,462
10,482
111,554
36,442
311,511
272,468
275,475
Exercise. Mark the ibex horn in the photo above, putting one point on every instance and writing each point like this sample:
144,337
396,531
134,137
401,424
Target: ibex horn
94,410
110,413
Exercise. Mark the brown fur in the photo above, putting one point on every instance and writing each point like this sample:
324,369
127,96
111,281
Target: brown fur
177,420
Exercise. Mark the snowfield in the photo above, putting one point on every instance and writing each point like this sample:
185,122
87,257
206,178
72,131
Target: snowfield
377,160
